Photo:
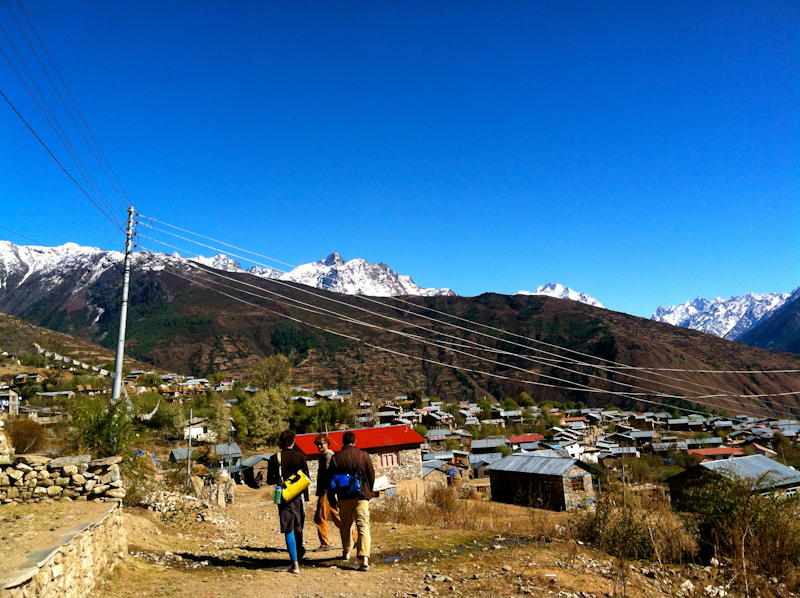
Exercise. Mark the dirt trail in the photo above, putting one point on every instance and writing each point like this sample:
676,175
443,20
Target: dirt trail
242,556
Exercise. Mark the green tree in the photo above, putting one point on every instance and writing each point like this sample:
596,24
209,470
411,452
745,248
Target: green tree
270,372
102,429
509,405
267,414
215,378
525,400
218,418
418,397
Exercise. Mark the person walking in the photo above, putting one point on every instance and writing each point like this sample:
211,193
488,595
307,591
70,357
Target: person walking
357,463
282,465
324,509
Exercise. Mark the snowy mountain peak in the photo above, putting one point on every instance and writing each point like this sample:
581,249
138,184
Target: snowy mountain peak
727,318
218,262
561,292
334,259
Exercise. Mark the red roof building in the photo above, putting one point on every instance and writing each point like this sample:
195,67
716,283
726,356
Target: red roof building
525,438
370,440
717,453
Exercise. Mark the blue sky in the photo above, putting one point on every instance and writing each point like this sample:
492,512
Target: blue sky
642,152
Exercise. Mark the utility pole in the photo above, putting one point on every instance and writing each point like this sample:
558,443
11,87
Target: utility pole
123,314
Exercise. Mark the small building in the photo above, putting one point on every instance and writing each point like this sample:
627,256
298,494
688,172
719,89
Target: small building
394,450
254,470
767,475
555,483
9,402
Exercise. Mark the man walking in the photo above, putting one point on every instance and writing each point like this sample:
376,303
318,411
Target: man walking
324,508
356,463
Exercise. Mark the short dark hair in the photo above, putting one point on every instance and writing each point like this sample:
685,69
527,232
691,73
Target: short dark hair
322,438
348,438
286,440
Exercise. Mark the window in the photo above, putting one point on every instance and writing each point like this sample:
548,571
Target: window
389,460
577,484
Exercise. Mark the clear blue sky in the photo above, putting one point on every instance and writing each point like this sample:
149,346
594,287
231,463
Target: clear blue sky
642,152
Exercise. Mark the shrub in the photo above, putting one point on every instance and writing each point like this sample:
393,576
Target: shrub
638,529
26,436
756,533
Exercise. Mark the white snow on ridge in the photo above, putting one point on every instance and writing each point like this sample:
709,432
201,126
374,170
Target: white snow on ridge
727,318
561,292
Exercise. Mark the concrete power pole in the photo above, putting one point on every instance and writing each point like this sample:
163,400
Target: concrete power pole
123,315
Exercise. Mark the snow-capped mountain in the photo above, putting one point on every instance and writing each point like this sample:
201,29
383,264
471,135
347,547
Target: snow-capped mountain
727,318
82,266
562,292
353,277
358,277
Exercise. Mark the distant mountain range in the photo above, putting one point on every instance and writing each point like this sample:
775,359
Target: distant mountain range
193,317
727,318
41,271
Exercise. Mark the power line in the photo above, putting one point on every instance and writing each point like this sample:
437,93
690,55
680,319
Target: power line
52,120
484,347
44,145
118,187
177,273
582,387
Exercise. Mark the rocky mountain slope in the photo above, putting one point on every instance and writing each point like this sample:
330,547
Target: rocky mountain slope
779,330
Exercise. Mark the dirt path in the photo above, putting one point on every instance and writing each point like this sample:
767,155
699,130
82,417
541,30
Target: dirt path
241,555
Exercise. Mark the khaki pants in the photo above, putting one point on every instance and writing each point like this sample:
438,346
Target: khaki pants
324,509
355,510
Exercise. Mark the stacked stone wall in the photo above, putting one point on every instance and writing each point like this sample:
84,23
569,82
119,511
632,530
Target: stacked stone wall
35,478
409,468
73,567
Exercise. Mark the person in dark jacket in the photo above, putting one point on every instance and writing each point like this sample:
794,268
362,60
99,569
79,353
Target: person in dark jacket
291,513
354,462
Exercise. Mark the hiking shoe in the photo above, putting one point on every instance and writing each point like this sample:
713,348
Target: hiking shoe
295,568
363,568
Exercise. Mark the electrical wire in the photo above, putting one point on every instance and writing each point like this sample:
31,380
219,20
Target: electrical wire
483,347
54,123
44,145
118,187
348,319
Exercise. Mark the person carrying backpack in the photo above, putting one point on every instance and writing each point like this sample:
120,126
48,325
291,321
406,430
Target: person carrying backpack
282,466
353,467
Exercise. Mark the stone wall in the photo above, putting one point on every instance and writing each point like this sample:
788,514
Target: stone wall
33,478
409,467
72,568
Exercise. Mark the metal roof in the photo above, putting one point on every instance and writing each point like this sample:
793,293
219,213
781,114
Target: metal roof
754,467
488,443
488,457
366,439
250,461
532,463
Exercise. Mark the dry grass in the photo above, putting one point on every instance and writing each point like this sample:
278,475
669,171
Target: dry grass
451,508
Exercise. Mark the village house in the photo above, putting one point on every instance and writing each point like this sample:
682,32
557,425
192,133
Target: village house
9,402
394,450
555,483
765,474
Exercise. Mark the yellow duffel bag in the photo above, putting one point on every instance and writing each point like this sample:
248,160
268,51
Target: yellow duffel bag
294,485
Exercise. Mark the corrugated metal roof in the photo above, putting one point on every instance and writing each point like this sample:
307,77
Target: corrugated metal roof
754,467
488,457
366,438
250,461
488,443
531,463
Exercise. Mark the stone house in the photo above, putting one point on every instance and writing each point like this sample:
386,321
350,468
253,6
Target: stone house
394,450
555,483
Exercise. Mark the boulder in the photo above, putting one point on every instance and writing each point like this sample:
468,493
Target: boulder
33,459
